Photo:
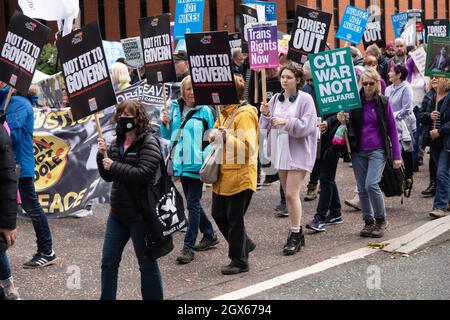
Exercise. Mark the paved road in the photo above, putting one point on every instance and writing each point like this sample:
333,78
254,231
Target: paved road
423,275
78,244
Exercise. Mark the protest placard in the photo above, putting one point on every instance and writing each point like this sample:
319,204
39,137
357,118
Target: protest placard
88,84
309,34
419,57
352,25
248,15
132,49
270,9
210,67
438,57
374,33
188,17
113,51
334,81
21,50
157,46
235,40
417,16
436,28
399,21
262,45
409,33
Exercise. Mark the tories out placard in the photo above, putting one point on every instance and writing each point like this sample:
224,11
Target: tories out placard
21,50
85,71
309,34
436,28
188,17
353,25
335,81
235,40
133,52
157,46
262,46
374,33
210,66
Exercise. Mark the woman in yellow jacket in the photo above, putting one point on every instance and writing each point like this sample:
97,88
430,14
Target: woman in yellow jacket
234,189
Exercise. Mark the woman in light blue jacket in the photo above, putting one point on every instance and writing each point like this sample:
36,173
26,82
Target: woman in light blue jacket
189,150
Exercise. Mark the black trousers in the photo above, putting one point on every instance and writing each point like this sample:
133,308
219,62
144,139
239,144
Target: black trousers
228,213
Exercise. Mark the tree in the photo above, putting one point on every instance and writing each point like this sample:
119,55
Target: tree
48,60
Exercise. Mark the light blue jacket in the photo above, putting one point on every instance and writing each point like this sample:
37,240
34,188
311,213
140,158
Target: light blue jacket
191,149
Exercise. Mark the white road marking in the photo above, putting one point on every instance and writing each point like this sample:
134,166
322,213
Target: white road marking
292,276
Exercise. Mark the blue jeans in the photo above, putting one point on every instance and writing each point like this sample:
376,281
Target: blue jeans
193,191
117,235
368,167
329,196
442,197
5,269
32,207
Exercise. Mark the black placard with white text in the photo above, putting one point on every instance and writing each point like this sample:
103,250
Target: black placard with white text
248,15
210,67
157,47
309,34
21,50
374,33
436,28
85,71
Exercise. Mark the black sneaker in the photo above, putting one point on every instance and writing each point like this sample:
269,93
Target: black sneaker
329,221
281,207
186,256
316,225
40,260
206,243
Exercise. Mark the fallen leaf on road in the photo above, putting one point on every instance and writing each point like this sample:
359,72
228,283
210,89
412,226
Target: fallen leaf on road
374,245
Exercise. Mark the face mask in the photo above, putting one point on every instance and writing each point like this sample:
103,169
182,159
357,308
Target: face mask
126,124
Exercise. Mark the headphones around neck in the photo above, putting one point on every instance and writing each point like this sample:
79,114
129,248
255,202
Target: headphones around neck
281,97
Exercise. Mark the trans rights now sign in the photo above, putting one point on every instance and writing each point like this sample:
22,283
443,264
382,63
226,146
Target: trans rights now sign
335,81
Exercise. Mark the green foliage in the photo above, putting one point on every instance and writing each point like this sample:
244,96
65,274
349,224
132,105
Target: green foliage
47,61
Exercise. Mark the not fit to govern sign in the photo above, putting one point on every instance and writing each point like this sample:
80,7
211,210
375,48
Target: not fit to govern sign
353,25
210,67
20,51
263,46
334,81
85,71
157,46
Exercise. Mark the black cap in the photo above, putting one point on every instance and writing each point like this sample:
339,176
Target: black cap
180,56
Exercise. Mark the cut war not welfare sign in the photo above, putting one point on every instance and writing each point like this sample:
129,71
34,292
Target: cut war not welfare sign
21,50
335,81
85,71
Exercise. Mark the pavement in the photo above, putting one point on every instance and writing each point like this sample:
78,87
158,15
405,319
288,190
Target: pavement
78,244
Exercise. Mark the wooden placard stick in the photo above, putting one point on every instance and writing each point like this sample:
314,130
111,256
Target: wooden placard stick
219,119
264,86
165,102
256,91
8,98
100,133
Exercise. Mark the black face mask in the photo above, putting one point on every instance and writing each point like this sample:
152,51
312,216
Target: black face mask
126,124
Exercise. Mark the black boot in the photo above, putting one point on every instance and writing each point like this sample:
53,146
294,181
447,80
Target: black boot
294,243
430,191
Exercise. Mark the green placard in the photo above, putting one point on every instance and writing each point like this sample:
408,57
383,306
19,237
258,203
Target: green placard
438,57
335,81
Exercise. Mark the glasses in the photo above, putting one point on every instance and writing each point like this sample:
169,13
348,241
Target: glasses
371,84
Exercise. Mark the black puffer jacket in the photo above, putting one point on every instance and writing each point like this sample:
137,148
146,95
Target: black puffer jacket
130,173
8,182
